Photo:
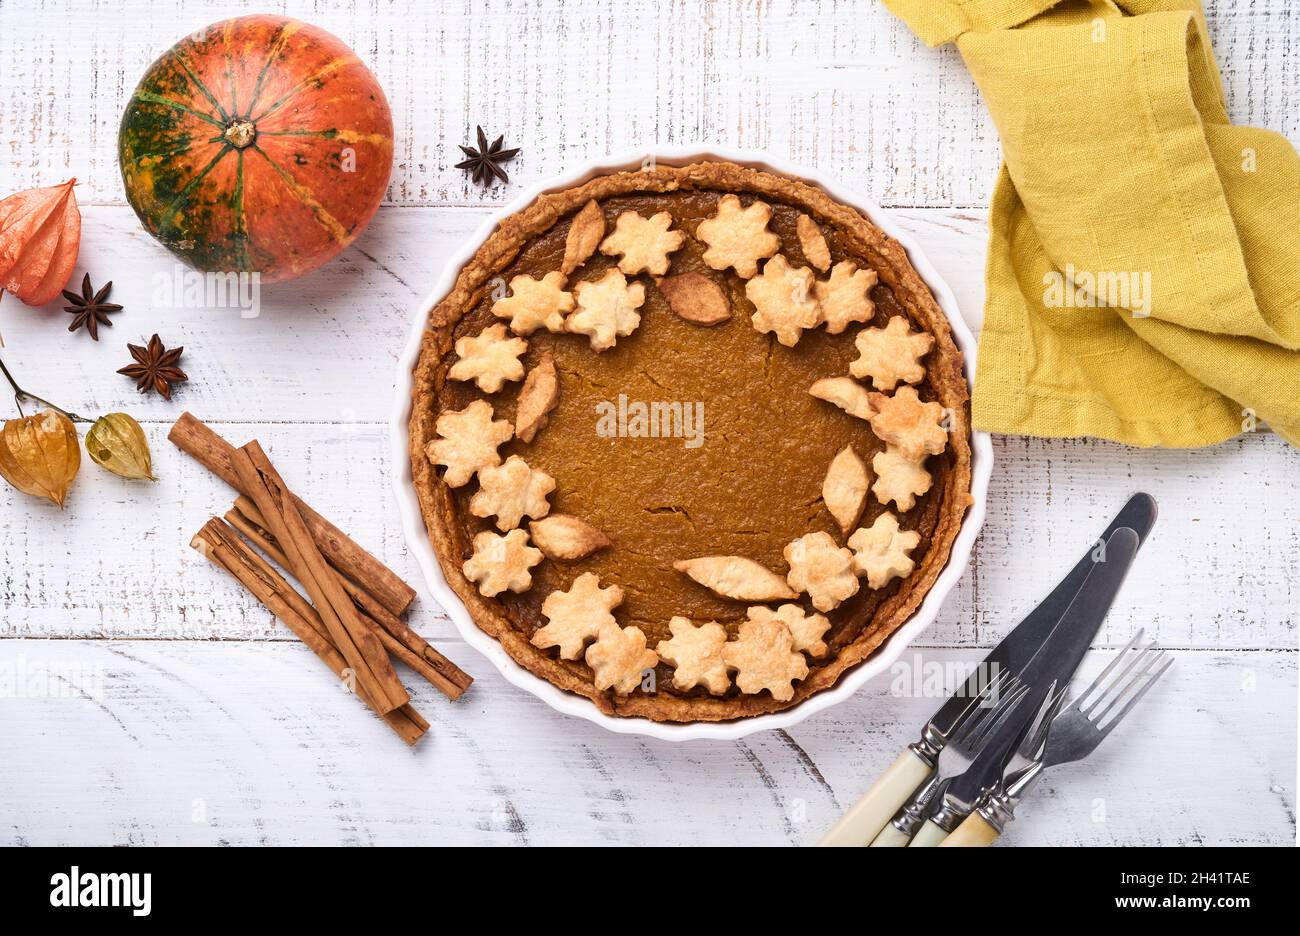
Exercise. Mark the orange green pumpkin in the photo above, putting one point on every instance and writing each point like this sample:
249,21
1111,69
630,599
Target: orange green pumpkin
259,144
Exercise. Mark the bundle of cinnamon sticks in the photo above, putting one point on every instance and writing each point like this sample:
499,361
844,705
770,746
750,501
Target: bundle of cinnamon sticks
351,615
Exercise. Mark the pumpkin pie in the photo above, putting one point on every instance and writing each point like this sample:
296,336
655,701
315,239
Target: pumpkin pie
691,442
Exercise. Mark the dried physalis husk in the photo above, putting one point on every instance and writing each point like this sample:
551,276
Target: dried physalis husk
40,455
116,442
40,233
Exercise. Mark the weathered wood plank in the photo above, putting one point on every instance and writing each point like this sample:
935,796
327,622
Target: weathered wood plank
841,86
242,744
209,726
322,349
1217,572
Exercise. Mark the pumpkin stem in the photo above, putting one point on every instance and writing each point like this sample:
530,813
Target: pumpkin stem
240,133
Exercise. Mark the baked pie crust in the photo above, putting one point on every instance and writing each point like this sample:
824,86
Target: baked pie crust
617,567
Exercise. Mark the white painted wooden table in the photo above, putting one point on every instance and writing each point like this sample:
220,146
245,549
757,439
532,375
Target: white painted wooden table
176,710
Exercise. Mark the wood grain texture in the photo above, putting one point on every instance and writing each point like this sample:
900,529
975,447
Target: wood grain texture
843,86
173,726
146,743
322,348
114,563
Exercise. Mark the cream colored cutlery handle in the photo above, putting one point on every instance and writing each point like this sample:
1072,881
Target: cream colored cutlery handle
869,815
974,832
890,837
928,836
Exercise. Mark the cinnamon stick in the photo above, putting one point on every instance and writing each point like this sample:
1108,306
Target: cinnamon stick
223,547
400,640
288,594
355,641
432,665
213,452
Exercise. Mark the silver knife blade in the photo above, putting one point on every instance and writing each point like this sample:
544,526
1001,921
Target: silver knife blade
1055,665
1029,636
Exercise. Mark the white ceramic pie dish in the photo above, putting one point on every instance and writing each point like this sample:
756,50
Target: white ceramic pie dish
418,539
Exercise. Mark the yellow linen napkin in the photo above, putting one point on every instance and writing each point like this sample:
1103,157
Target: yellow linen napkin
1144,264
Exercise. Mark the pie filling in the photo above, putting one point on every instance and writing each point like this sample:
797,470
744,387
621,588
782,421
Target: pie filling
683,440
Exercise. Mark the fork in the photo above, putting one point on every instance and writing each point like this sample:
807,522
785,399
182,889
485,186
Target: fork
1070,736
988,709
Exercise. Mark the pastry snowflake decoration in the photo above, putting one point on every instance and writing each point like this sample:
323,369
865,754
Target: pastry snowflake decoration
783,300
619,659
736,577
898,479
696,652
490,359
891,355
881,551
501,563
763,657
511,492
914,428
845,489
607,309
806,630
846,393
534,304
846,296
822,569
642,244
577,615
738,237
468,443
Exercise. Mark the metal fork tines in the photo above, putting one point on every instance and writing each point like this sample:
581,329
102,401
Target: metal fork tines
976,724
1078,730
1030,752
987,710
1074,733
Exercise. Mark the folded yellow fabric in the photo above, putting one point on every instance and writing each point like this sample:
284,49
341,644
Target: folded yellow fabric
1144,268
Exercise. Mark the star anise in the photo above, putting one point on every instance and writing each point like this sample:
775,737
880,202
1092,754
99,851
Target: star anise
155,367
90,308
484,162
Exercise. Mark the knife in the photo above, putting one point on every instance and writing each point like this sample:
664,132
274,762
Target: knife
908,820
1054,666
1064,738
865,820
